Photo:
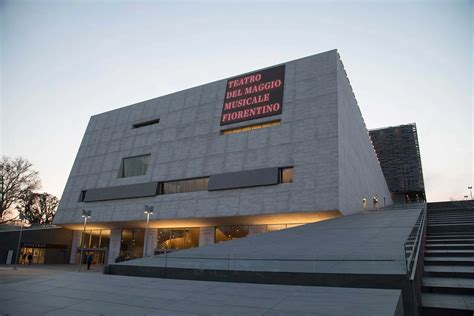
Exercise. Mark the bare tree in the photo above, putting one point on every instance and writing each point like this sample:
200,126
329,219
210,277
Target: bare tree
18,177
37,208
47,206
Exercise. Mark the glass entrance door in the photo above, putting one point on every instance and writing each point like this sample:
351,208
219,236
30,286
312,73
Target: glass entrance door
98,255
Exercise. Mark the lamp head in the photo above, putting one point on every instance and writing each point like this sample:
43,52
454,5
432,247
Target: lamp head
86,213
149,209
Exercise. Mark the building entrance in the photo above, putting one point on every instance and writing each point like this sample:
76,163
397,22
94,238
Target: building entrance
99,254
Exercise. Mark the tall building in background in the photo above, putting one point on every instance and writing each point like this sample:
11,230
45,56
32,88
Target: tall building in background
398,151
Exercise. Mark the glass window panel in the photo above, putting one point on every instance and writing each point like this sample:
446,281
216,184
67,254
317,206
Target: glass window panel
191,237
179,186
165,188
287,175
163,238
173,187
224,233
206,184
189,186
199,184
95,238
105,238
177,238
134,166
131,245
245,129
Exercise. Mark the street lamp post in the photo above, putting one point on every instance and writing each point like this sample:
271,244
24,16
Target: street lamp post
85,214
148,211
21,217
470,189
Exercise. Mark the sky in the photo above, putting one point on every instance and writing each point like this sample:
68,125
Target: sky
64,61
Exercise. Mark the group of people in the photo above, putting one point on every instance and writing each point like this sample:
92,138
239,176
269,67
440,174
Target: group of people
28,257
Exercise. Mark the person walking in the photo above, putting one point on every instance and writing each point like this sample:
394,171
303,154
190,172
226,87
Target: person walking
30,259
90,259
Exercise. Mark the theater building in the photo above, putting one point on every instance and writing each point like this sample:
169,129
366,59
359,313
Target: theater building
258,152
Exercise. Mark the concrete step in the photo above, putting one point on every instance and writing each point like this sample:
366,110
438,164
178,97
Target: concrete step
449,253
459,228
450,240
450,218
449,271
458,236
449,261
440,246
447,214
451,210
460,223
452,222
448,285
469,233
435,304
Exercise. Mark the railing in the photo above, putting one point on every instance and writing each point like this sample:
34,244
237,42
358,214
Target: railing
414,258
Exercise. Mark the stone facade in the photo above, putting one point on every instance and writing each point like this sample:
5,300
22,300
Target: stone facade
322,135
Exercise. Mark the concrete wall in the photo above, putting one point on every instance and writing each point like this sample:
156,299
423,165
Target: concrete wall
322,134
187,143
360,174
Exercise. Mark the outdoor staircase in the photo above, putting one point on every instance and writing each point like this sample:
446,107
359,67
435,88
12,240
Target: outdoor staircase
448,280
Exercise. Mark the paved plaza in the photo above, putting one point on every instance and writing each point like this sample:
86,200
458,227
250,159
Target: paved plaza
62,290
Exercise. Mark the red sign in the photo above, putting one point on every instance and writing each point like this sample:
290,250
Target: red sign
255,95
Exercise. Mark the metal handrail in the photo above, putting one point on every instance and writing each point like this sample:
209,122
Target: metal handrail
418,232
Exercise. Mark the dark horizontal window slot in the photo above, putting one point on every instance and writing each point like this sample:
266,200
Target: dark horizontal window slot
128,191
231,180
146,123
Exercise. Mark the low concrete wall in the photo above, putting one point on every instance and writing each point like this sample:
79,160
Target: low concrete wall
377,281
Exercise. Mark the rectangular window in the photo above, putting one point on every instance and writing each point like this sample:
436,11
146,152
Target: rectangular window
134,166
224,233
250,127
146,123
82,196
177,238
286,175
183,186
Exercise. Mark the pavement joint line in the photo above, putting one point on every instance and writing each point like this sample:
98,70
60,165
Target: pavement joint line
280,302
